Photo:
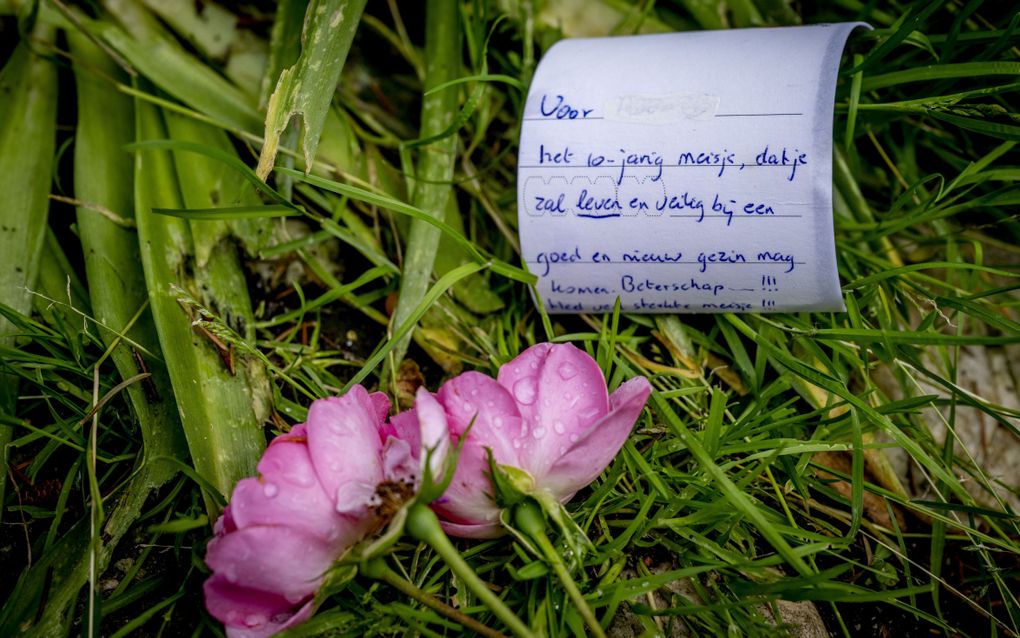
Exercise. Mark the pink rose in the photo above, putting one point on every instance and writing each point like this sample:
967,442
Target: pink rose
548,413
321,488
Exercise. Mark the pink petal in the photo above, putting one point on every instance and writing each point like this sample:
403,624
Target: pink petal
251,613
569,397
405,426
475,397
434,434
400,462
596,449
225,523
381,403
288,493
343,442
491,530
520,376
302,614
280,560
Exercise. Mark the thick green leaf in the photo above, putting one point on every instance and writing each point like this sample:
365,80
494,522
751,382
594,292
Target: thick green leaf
221,412
306,89
28,114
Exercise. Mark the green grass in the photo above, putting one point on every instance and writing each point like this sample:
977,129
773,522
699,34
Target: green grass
763,469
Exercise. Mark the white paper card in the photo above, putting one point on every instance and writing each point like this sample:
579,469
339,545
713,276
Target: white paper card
686,172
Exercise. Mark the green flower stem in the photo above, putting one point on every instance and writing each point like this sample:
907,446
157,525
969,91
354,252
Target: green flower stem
529,519
423,525
378,569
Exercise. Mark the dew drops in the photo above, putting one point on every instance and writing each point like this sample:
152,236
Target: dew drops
574,438
230,573
254,620
517,444
468,406
300,479
558,427
270,490
563,450
567,371
525,390
497,421
474,392
490,403
538,432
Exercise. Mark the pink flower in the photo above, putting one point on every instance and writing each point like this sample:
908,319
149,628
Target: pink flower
548,413
321,488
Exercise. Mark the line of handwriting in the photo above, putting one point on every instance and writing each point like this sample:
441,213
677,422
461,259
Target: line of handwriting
605,201
626,162
703,260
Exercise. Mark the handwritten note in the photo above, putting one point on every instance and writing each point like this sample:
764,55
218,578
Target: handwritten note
686,172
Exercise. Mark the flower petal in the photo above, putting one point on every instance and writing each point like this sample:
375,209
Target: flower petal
598,446
489,530
281,560
251,613
475,400
288,493
344,445
569,397
381,403
434,434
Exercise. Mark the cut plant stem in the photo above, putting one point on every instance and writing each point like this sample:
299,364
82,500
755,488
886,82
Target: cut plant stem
529,519
423,525
378,569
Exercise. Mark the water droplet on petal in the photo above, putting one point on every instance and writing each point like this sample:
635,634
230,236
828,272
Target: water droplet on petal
254,620
525,390
517,444
558,427
301,479
270,490
497,421
490,403
563,450
230,573
574,438
567,371
538,432
468,406
474,392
